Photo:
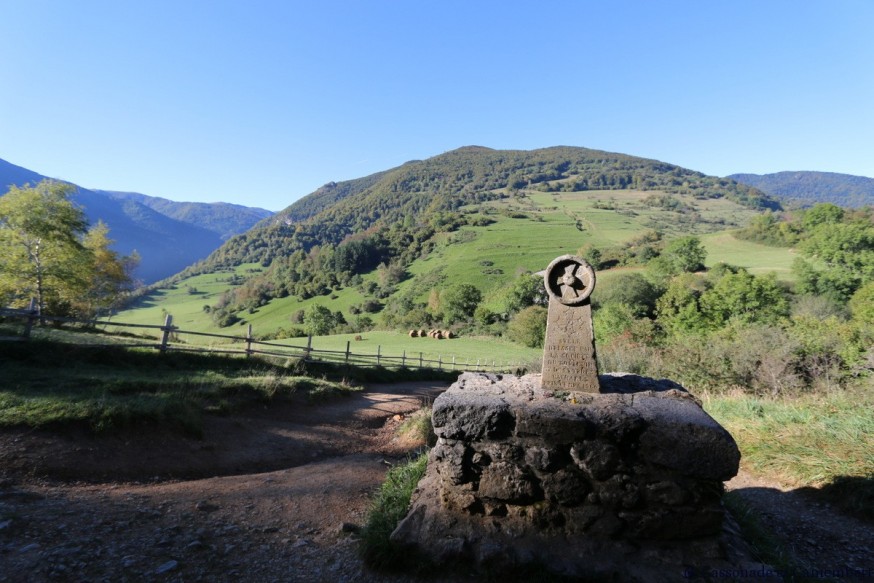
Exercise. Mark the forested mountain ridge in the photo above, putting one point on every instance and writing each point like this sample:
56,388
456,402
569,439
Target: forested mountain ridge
391,219
809,188
224,219
167,236
424,189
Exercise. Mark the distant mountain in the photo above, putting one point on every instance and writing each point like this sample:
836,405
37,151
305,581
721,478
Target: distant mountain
808,188
168,236
223,218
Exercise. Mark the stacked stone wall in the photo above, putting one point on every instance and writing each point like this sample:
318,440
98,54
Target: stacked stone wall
520,474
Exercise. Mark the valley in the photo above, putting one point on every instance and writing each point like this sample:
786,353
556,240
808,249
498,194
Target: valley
763,314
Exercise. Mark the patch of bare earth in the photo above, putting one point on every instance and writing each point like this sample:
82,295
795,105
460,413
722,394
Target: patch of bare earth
821,543
290,486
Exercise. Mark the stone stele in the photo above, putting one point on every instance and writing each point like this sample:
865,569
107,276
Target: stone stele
569,362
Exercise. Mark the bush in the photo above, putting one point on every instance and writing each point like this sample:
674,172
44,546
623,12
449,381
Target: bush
528,327
756,359
624,354
631,289
862,304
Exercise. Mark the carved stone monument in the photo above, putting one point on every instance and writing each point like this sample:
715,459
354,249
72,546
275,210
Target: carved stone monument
569,362
617,477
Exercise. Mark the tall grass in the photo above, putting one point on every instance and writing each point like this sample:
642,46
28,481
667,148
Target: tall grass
823,442
389,506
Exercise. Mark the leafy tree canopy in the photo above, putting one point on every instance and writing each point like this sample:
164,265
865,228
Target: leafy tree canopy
48,254
460,302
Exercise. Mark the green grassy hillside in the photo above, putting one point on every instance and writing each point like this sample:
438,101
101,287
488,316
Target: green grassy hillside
509,235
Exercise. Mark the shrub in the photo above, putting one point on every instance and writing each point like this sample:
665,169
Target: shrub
862,304
528,327
631,289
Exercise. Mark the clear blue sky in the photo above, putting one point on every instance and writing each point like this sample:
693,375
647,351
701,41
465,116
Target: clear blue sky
260,102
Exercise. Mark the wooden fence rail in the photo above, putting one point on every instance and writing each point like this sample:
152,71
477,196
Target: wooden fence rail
169,341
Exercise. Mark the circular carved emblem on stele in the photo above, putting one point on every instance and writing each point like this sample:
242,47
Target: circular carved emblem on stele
570,279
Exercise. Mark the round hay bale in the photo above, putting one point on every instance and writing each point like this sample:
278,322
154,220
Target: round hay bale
449,334
414,333
422,333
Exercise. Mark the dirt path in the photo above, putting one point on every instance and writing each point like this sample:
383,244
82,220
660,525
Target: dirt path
285,525
272,495
821,542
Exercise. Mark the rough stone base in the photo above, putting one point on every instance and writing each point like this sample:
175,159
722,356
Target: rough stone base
625,484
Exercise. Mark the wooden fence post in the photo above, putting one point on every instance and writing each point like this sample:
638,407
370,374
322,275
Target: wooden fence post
404,359
165,332
31,318
249,341
440,362
347,351
309,347
420,360
378,354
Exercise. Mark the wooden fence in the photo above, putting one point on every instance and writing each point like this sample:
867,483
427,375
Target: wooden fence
248,345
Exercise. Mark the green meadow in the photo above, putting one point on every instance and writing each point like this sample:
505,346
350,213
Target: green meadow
464,350
758,258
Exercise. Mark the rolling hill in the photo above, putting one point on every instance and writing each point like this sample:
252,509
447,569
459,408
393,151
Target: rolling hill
421,190
168,236
382,244
807,188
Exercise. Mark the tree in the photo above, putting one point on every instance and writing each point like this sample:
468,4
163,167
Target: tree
110,274
678,309
319,320
686,254
822,214
631,289
746,298
527,290
41,247
528,327
459,302
862,304
845,254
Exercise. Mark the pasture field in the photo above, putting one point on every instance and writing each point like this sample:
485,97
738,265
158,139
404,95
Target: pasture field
759,259
185,301
467,350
